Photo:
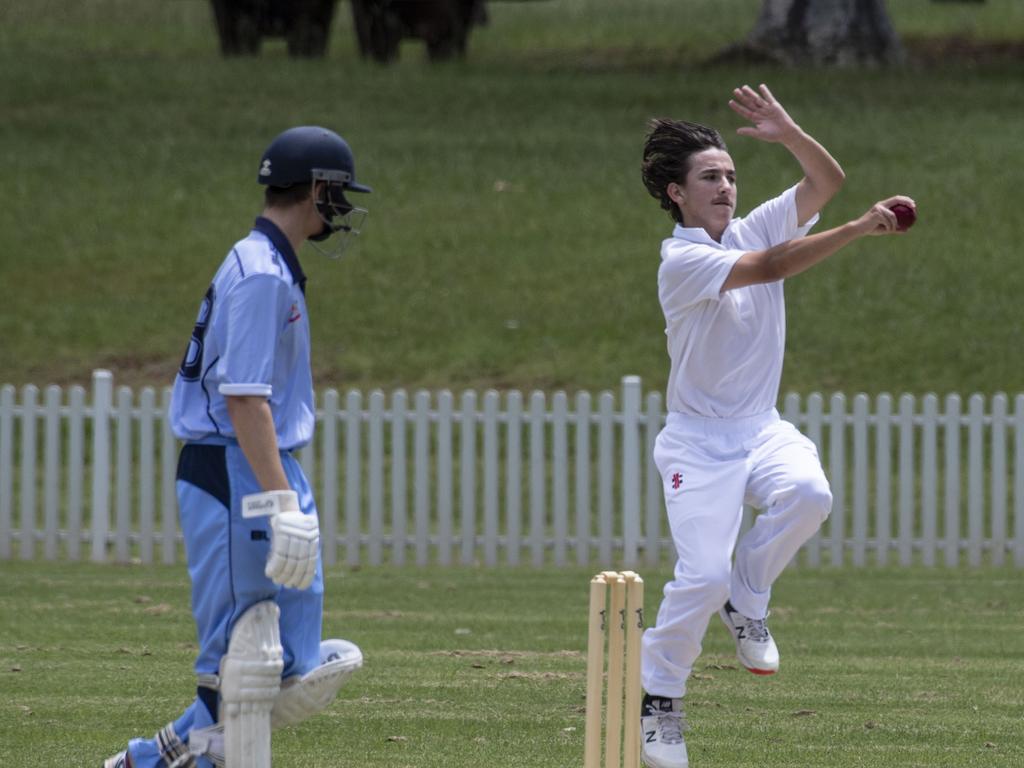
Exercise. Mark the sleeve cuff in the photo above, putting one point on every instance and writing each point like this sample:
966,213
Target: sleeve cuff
798,229
242,390
731,258
803,230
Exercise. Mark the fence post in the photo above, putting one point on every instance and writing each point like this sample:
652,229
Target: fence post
376,479
168,492
29,399
445,503
883,477
491,485
102,403
353,487
605,477
631,395
76,470
929,478
6,468
467,479
905,533
560,475
513,477
123,476
975,481
329,478
582,419
51,479
399,401
998,479
1018,481
860,480
538,486
837,464
951,423
421,475
147,462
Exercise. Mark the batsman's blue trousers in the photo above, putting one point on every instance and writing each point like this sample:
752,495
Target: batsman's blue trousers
226,557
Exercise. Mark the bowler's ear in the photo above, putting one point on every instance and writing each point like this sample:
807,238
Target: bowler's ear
675,193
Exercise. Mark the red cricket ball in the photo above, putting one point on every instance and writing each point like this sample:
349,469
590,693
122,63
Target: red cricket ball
905,216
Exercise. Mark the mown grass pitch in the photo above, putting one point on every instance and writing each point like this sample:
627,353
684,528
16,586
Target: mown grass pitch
470,667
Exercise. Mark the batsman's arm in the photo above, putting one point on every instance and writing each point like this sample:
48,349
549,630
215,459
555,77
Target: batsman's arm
254,428
294,536
795,256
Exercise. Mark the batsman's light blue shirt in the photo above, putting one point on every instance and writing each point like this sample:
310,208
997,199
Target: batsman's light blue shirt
251,338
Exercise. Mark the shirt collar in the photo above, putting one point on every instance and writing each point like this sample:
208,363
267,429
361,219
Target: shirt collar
697,235
265,226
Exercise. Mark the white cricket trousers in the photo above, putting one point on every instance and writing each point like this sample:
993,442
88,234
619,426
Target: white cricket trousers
709,469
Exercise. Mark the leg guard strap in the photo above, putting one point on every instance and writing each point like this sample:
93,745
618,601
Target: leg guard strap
172,749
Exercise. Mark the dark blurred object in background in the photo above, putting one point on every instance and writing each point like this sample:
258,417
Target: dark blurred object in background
381,25
442,24
242,24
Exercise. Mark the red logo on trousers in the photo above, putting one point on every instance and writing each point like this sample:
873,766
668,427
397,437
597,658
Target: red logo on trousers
677,480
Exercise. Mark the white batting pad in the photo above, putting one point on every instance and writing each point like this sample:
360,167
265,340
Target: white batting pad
250,679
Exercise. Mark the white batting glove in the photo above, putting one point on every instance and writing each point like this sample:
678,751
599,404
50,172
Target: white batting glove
294,537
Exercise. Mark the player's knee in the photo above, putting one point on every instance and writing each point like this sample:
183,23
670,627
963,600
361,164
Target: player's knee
815,499
710,584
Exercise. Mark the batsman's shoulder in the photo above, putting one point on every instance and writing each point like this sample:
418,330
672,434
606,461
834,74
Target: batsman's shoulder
249,258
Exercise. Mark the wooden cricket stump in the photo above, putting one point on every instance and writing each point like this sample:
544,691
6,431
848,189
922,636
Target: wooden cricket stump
616,609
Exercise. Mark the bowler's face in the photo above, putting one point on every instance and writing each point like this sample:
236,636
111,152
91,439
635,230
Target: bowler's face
707,198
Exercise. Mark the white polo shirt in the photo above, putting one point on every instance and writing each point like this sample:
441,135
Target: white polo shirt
726,348
251,338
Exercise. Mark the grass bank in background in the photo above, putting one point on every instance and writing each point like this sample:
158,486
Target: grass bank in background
510,243
486,667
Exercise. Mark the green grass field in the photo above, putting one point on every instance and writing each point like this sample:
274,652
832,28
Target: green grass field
510,242
486,667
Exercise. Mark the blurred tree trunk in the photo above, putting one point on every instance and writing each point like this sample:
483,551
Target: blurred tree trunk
823,32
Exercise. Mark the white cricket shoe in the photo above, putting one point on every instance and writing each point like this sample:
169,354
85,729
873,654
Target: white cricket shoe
755,647
662,727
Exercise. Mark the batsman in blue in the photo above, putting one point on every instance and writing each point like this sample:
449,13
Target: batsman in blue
243,404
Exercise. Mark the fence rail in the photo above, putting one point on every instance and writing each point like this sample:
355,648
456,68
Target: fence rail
507,478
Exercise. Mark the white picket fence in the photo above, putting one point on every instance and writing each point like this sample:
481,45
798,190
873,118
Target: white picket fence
502,478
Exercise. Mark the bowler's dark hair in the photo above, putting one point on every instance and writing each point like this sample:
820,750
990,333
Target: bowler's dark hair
667,152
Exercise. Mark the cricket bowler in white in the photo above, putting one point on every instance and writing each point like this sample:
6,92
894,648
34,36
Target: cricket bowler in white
243,402
720,284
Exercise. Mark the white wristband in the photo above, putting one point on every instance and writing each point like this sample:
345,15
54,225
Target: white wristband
269,503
